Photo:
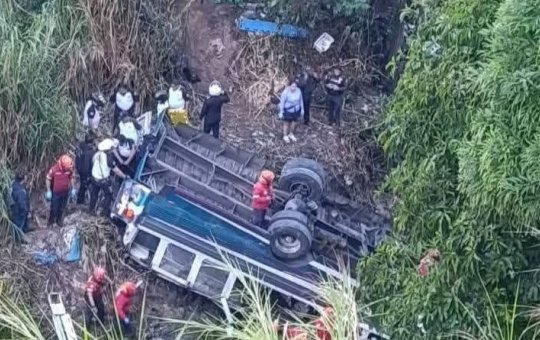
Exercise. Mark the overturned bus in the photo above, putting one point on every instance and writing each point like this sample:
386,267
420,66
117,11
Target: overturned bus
188,216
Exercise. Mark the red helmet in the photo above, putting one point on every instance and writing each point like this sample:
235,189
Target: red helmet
267,176
128,288
99,274
66,163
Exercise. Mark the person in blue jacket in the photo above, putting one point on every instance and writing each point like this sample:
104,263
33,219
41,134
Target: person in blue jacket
20,203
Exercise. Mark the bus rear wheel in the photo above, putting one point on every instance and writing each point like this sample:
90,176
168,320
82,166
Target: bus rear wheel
289,239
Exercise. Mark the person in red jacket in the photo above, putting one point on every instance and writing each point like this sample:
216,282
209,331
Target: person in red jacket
122,302
323,322
93,295
297,333
262,197
60,184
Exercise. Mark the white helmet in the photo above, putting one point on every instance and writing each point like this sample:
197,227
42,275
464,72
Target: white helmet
108,144
215,88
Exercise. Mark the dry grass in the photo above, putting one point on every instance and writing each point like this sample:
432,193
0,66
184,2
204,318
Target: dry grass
351,154
128,41
256,69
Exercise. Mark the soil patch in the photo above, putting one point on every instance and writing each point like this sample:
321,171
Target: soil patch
254,69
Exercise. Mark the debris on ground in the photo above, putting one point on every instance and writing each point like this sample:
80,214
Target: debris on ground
32,281
271,28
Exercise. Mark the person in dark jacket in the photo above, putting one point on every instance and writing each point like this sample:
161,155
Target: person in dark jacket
335,86
307,82
20,207
211,110
83,164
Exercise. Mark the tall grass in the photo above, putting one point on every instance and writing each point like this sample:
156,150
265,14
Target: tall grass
16,321
127,41
259,316
54,56
36,113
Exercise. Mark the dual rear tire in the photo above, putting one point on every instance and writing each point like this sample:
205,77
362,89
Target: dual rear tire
291,233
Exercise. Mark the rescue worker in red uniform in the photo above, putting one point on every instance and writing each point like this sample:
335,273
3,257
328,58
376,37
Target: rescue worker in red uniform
262,197
321,330
122,302
60,184
323,322
93,295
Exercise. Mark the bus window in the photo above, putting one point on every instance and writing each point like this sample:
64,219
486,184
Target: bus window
210,279
177,261
237,292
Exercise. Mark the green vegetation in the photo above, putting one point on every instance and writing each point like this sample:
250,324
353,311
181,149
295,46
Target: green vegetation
36,112
16,321
53,55
462,130
259,321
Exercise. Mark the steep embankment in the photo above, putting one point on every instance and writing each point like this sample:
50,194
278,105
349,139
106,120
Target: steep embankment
461,130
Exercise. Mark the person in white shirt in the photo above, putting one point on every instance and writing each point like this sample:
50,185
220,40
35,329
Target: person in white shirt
92,111
103,163
124,100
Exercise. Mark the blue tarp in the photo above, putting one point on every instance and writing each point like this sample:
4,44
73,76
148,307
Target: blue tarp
268,27
44,258
74,253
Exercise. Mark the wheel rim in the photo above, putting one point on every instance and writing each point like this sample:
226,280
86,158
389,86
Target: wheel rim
288,243
302,187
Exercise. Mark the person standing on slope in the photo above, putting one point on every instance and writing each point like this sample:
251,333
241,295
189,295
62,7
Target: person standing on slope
60,185
307,82
211,110
20,203
291,108
124,100
262,197
92,111
83,163
103,163
122,304
335,87
93,296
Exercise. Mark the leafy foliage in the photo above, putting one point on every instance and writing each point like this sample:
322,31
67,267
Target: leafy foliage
461,129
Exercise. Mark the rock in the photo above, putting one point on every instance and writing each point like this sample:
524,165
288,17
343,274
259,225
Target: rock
217,46
249,14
